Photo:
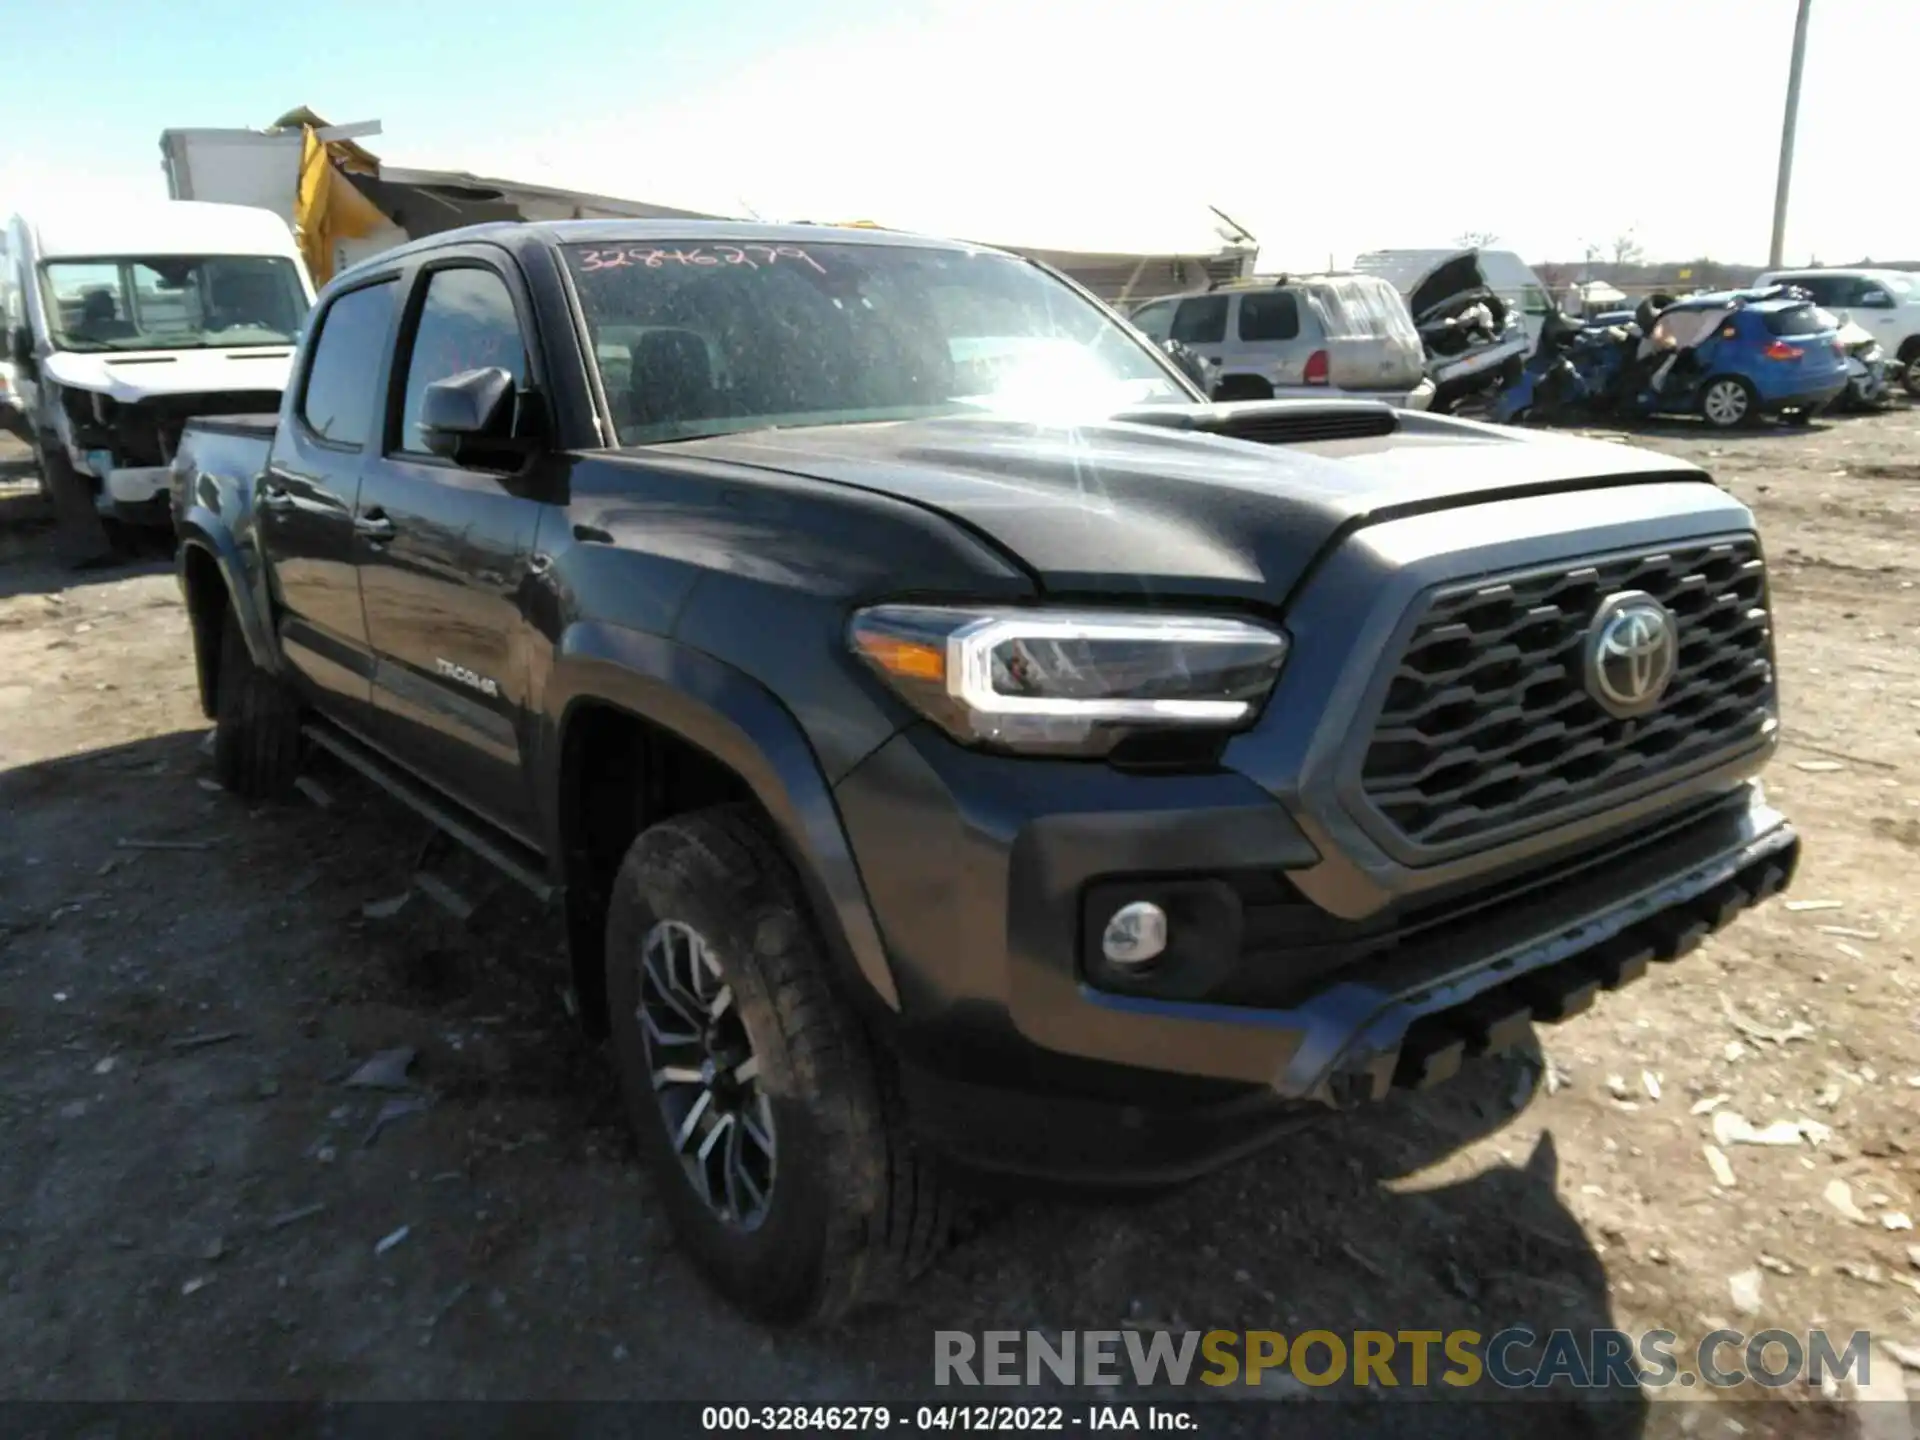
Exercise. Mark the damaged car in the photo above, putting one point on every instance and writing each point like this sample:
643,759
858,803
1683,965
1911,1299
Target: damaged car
129,324
1478,313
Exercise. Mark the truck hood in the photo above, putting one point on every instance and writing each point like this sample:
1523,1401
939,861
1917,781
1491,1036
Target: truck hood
1117,506
131,375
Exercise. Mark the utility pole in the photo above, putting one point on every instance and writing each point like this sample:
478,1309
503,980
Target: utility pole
1775,258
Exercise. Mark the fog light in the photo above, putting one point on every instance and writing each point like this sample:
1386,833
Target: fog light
1135,935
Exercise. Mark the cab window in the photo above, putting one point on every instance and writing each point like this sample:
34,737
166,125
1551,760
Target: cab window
338,402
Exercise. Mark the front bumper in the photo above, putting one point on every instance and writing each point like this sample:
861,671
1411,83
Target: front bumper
1017,1057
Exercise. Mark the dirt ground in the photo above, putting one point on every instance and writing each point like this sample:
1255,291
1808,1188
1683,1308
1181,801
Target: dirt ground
194,1205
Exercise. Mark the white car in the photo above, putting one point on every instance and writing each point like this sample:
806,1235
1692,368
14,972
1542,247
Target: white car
127,322
1885,303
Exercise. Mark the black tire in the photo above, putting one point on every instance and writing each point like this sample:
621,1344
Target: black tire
80,535
256,731
1910,357
1242,387
854,1208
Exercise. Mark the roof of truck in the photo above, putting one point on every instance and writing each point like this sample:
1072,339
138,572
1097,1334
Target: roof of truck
164,227
512,233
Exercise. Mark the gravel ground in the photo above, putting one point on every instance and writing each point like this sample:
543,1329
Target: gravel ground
193,1205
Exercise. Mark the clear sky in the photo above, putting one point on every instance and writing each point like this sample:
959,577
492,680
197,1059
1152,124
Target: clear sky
1324,126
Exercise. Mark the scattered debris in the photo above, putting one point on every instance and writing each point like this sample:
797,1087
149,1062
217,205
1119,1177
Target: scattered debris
125,843
1651,1082
1868,1274
1745,1288
314,792
1708,1104
1732,1128
205,746
201,1042
444,895
1558,1077
1802,907
1829,1095
1818,767
1721,1167
385,1071
1850,951
387,1242
1754,1030
199,1282
1462,1284
1734,1052
1617,1086
211,785
214,1249
1896,1220
1372,1267
293,1217
1775,1264
1839,1195
1913,1256
388,908
1847,932
391,1111
105,1066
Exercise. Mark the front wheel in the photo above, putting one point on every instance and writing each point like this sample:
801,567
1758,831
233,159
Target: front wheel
1727,401
1911,378
767,1117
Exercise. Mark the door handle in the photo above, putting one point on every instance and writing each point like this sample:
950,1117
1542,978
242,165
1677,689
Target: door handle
273,495
374,526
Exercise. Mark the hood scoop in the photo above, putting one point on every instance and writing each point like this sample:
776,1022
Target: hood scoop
1275,422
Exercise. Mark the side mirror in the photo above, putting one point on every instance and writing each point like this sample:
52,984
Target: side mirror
469,419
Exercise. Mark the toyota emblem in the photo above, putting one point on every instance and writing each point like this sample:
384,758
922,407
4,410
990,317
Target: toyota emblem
1633,649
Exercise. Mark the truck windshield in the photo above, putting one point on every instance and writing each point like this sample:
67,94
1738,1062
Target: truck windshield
700,339
172,302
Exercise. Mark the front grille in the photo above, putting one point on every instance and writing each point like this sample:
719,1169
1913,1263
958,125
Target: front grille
1488,727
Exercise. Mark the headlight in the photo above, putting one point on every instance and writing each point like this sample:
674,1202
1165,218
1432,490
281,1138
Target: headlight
1069,682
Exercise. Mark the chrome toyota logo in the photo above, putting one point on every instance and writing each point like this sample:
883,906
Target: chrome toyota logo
1633,648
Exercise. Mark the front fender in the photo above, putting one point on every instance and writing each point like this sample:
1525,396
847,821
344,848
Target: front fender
739,722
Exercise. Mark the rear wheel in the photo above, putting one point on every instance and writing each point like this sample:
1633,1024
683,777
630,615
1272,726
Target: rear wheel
256,732
1910,357
1727,401
769,1120
80,535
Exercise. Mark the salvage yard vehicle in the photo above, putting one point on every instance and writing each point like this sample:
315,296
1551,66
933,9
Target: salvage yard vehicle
953,742
131,321
1299,336
1886,303
1478,314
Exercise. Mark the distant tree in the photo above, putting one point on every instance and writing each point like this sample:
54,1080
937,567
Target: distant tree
1627,250
1475,239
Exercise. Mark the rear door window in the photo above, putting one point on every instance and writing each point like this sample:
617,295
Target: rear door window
1269,315
338,402
1201,320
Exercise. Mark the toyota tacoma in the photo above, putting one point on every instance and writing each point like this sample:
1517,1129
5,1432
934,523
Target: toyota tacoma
952,743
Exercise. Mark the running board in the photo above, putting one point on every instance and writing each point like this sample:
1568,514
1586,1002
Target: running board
509,856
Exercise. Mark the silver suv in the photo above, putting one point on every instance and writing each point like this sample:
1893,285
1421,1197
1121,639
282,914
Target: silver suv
1299,335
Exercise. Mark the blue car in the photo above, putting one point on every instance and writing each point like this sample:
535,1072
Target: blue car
1738,355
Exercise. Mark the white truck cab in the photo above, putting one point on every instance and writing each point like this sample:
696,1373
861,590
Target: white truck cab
124,323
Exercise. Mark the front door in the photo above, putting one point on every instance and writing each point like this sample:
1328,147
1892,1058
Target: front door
304,503
445,555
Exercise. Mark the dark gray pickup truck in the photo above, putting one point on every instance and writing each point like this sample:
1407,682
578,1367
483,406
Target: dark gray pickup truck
952,742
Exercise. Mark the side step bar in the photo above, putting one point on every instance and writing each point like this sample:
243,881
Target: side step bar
505,853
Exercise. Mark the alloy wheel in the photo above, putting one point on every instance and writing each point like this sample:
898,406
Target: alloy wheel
1725,403
706,1076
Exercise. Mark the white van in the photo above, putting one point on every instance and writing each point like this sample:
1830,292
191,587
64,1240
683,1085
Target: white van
126,322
